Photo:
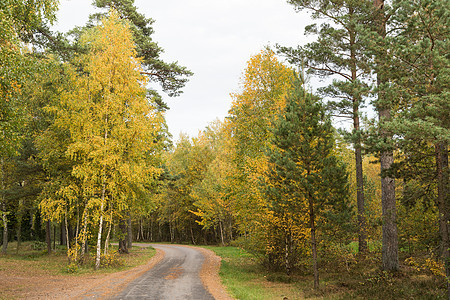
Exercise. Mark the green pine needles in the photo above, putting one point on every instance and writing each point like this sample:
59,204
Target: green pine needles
305,176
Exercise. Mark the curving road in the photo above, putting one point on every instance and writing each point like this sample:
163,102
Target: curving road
175,277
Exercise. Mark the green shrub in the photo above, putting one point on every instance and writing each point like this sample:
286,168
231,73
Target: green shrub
37,245
72,267
112,259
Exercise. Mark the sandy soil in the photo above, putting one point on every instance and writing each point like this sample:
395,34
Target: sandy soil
209,275
102,286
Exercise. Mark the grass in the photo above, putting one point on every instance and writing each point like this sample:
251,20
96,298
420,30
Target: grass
373,246
246,279
32,259
30,268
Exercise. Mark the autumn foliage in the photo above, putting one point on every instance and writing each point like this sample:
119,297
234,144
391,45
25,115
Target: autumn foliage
85,151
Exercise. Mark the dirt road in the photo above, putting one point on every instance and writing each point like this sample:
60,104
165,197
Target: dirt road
175,277
173,273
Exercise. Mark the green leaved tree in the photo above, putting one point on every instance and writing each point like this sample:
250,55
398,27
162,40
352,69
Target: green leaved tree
211,195
188,164
17,20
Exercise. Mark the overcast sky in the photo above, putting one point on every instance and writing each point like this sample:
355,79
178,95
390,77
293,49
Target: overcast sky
212,38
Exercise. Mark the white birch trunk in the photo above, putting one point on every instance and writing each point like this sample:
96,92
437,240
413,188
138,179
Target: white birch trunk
100,227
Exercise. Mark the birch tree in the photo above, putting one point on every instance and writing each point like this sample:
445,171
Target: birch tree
113,128
265,83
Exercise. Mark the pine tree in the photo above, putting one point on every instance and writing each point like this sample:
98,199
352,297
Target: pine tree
170,76
305,176
417,68
339,54
385,111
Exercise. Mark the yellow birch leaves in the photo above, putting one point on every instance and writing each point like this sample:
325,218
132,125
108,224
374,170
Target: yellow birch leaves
112,127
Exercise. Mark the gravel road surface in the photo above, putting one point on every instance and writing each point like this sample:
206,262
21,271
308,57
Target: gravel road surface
175,277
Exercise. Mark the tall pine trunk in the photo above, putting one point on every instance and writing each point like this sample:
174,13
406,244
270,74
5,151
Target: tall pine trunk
356,102
388,205
360,200
444,205
313,242
389,212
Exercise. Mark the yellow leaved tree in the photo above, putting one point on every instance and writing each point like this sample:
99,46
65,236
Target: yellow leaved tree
211,195
265,83
111,129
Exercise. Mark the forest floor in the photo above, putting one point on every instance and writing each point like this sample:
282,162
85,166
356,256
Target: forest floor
32,274
245,278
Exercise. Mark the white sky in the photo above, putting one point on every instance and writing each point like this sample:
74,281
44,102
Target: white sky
212,38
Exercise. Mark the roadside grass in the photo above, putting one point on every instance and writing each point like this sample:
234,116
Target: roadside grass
244,279
33,259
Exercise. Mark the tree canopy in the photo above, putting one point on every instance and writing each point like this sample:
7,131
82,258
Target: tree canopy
86,157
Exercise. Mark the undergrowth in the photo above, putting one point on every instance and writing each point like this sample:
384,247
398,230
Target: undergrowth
354,278
34,258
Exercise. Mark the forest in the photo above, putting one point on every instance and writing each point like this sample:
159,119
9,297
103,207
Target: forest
87,158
